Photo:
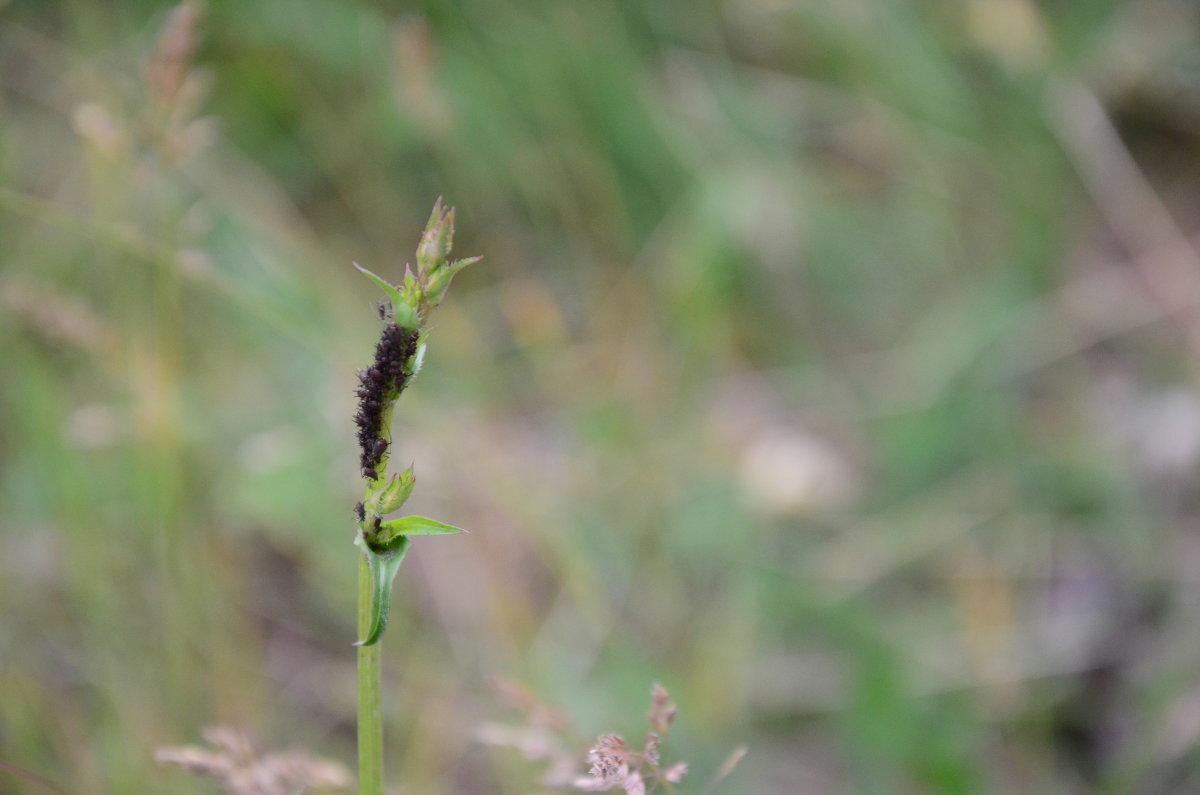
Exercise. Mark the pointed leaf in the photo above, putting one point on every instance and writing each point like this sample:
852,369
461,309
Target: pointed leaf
418,358
417,526
392,292
383,566
459,264
439,280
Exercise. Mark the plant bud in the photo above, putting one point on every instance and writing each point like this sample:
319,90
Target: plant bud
395,494
437,240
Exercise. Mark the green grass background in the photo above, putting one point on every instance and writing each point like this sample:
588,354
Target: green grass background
833,364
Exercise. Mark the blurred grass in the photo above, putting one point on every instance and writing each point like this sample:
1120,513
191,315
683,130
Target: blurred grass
825,365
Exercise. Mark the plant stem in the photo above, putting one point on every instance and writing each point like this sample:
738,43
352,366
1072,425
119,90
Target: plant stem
370,706
398,355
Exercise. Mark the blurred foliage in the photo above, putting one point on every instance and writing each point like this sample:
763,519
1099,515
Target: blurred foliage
831,363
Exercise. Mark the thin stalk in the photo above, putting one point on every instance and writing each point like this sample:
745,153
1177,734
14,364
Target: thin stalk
384,542
370,708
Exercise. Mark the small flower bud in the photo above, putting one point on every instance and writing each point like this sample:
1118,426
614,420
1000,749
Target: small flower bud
394,495
437,240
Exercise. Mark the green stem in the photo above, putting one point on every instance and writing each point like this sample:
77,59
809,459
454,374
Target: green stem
370,706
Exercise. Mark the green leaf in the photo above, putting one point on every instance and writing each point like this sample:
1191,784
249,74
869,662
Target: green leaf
392,292
404,313
439,280
384,561
384,565
416,526
418,359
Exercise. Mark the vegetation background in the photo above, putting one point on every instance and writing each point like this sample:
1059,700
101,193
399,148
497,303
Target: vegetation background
833,364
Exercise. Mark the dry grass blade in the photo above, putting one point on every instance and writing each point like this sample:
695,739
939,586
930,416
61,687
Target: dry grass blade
1162,253
727,767
240,771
